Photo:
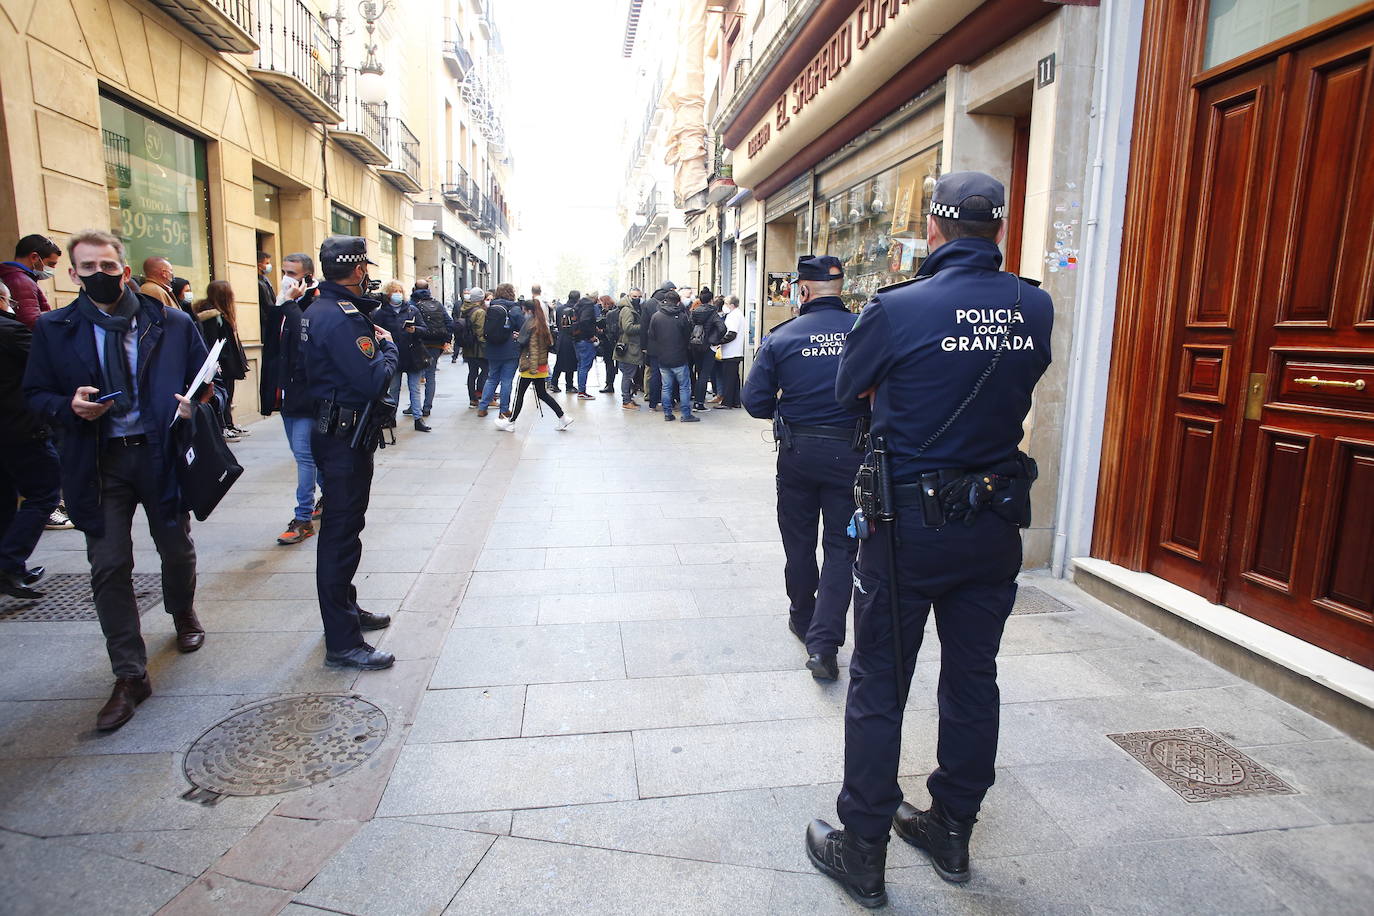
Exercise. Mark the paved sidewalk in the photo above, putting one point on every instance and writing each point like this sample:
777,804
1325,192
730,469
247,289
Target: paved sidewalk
598,709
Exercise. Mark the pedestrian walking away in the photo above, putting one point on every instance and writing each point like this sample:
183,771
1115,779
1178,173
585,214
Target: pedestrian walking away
668,335
792,382
946,421
110,368
349,365
435,330
584,332
468,330
501,327
28,462
283,386
534,342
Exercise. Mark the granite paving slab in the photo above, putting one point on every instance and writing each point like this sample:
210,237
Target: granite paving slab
620,606
45,877
469,714
188,851
709,646
530,655
1324,869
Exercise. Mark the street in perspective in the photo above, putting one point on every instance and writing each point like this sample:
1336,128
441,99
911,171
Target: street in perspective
675,456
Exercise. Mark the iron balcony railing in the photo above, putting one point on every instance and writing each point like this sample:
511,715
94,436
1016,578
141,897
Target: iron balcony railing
459,188
225,25
495,217
293,41
402,148
454,48
359,117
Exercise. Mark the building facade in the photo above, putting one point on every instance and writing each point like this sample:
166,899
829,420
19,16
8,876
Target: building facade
205,131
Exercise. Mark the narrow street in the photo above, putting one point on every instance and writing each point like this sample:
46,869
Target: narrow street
597,708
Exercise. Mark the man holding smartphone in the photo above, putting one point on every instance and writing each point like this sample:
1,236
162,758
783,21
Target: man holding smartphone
283,386
110,369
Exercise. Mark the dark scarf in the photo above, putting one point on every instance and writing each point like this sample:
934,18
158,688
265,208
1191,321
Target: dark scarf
115,366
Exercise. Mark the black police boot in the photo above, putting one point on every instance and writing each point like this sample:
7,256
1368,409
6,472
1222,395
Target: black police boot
13,585
823,667
420,426
796,631
857,864
943,838
369,621
363,657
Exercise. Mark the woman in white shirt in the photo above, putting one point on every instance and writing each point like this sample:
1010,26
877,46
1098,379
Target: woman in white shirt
731,352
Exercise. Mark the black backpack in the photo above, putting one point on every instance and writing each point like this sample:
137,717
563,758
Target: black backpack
497,329
699,342
465,329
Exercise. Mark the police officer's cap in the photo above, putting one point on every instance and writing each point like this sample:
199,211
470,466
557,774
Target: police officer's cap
344,249
954,188
819,267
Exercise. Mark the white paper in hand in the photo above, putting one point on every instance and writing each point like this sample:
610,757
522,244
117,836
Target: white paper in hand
207,369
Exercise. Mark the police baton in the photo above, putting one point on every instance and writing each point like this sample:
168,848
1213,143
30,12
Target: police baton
887,514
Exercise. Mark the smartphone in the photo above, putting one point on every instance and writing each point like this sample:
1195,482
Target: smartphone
108,397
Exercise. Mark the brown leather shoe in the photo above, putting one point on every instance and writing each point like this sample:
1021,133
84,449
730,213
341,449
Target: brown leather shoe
190,634
127,694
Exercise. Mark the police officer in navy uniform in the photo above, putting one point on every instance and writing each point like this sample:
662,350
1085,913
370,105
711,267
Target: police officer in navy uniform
948,362
792,382
349,364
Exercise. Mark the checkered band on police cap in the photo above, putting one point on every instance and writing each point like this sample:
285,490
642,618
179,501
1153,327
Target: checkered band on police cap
956,187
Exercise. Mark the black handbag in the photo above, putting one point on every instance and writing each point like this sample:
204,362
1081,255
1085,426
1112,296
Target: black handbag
205,467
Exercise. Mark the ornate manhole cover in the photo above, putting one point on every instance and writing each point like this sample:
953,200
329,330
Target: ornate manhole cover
1031,600
283,745
1197,764
67,596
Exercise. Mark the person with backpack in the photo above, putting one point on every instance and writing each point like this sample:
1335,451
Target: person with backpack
608,330
534,339
400,319
499,331
668,334
435,330
708,329
468,330
584,333
565,363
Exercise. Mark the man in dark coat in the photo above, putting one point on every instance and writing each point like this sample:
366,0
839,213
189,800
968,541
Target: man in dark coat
435,330
667,337
110,369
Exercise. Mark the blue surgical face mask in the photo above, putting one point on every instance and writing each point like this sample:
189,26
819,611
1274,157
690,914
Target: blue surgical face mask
397,298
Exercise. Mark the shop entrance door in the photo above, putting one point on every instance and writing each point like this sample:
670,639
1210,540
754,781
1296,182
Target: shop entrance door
1267,467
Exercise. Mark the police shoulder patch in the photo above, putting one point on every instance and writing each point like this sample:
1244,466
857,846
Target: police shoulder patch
348,307
367,346
883,289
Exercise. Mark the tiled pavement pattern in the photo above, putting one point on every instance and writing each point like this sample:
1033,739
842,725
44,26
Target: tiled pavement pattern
598,709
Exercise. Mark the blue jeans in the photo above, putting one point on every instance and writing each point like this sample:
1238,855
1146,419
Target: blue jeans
499,372
429,378
413,383
586,355
298,436
676,376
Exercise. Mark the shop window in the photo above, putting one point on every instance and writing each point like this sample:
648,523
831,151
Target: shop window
878,226
1236,27
155,177
387,266
341,222
266,201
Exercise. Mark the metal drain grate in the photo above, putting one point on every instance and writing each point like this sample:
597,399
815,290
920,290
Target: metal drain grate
1031,600
1197,764
283,745
67,596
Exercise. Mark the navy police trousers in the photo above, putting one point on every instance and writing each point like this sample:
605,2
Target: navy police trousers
969,575
346,483
816,486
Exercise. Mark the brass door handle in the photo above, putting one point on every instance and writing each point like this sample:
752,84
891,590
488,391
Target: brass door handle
1315,382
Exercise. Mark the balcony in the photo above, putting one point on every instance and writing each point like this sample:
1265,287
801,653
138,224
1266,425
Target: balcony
403,151
454,50
363,130
295,60
225,25
495,218
459,190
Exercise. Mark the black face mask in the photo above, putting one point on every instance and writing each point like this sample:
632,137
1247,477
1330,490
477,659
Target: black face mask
102,287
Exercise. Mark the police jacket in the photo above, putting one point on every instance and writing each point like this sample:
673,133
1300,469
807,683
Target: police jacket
435,328
63,358
17,422
668,333
411,348
282,379
922,345
344,360
799,358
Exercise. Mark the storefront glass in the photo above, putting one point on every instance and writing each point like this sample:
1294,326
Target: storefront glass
1236,27
156,180
341,222
878,226
387,268
266,201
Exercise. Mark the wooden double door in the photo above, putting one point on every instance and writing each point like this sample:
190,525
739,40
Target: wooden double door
1264,464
